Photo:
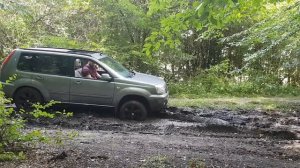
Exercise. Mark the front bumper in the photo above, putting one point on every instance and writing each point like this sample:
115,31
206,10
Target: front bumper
158,103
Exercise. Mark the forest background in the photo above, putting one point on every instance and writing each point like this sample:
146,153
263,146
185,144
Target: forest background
203,48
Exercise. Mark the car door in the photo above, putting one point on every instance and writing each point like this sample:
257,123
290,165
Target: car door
90,91
51,73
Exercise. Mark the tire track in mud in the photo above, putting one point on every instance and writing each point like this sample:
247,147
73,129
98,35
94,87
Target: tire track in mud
276,125
189,121
221,138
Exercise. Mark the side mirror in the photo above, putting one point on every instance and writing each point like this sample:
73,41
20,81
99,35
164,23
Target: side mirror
106,77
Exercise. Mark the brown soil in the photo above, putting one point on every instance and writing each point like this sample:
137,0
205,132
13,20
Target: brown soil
183,137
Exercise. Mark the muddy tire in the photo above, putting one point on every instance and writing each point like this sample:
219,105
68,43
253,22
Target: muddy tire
26,96
133,110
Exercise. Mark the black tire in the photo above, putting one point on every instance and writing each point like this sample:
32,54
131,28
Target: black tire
26,96
133,110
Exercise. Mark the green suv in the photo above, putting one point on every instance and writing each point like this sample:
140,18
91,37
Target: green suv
44,74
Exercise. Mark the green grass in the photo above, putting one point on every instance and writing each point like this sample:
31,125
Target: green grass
257,103
159,161
9,156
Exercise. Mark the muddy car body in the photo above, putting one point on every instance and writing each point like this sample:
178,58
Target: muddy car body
44,74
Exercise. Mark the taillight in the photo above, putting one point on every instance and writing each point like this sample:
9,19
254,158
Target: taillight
7,58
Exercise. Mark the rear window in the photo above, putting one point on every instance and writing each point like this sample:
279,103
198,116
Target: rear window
46,64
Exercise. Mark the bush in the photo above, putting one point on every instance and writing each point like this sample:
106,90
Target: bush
219,81
12,135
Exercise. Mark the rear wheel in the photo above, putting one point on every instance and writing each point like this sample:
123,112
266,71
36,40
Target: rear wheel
25,97
133,110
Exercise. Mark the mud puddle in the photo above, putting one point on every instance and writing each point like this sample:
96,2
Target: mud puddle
194,121
276,125
181,137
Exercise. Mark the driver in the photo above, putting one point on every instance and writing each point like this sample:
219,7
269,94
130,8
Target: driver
90,70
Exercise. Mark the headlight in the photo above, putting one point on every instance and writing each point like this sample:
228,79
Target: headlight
160,89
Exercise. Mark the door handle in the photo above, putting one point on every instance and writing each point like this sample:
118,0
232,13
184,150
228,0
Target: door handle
78,82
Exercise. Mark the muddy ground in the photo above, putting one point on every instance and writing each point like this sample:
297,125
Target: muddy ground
183,137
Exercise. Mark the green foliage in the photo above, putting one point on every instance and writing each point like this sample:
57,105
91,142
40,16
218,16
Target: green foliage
201,88
159,161
8,156
272,45
284,104
208,18
220,80
59,42
39,111
59,137
12,123
177,39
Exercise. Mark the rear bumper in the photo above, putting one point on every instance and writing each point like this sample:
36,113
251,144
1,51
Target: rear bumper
158,103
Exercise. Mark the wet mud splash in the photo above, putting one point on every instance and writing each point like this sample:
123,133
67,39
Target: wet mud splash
269,124
181,137
195,121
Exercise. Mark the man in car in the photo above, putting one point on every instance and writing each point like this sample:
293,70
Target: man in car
90,71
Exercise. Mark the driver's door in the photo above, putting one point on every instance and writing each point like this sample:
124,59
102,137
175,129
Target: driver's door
91,91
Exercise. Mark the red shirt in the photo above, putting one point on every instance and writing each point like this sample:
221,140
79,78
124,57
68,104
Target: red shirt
89,70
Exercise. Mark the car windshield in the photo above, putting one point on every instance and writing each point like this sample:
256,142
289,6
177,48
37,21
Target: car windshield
120,69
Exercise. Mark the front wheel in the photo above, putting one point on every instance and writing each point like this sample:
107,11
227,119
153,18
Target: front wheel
133,110
25,97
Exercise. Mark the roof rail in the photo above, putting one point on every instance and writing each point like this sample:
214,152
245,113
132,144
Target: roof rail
71,49
63,50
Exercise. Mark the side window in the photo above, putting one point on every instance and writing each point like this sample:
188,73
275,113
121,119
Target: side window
84,68
55,65
46,64
28,62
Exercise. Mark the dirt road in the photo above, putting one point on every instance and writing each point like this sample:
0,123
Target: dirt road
183,137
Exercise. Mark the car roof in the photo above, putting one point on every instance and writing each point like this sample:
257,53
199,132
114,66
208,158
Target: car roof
67,51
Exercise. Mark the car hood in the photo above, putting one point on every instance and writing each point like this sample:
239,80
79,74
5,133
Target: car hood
149,79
